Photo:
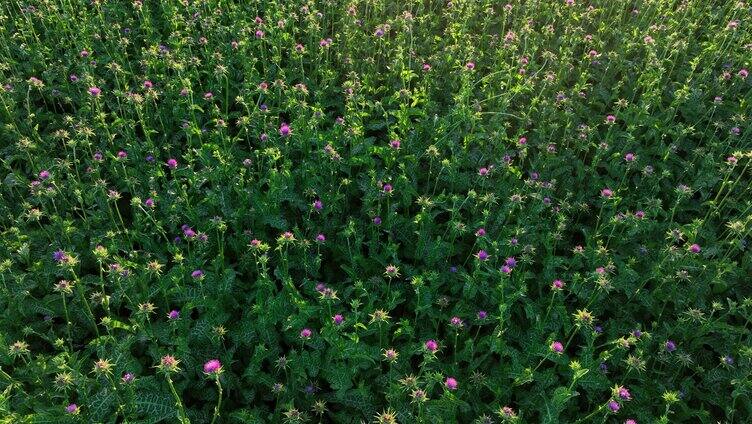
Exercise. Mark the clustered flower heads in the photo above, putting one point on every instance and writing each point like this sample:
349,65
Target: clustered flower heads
448,212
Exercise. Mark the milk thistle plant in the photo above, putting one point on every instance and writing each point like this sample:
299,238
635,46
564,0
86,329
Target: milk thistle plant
427,211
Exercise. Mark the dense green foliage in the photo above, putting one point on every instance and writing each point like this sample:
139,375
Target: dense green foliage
393,211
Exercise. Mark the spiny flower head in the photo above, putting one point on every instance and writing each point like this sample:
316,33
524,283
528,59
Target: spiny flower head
213,366
386,417
390,355
391,271
583,317
18,348
379,315
168,364
103,366
506,413
306,333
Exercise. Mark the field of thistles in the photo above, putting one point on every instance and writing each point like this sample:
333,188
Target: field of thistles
420,211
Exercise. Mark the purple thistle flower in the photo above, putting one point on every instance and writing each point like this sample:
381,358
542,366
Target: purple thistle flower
318,205
388,188
59,256
377,220
456,322
284,130
451,383
670,346
128,377
614,406
72,408
306,333
511,262
695,248
320,238
95,91
173,315
482,315
149,202
431,345
197,274
338,319
557,347
212,366
172,163
606,192
482,255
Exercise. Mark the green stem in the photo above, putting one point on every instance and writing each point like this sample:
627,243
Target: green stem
219,401
179,403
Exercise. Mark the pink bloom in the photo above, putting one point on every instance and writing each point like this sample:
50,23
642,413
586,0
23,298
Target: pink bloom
557,347
451,383
284,130
95,91
695,248
606,192
172,163
306,333
432,345
213,366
